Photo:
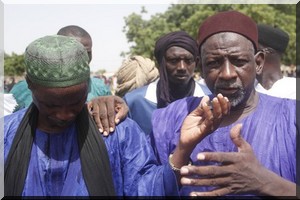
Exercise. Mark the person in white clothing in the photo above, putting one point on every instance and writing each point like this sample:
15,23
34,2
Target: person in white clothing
9,104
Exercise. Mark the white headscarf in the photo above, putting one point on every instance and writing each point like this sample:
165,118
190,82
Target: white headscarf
135,72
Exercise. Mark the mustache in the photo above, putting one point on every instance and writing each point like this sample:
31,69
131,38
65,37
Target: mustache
228,84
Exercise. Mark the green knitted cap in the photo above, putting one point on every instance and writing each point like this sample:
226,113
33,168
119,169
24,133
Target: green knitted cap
56,61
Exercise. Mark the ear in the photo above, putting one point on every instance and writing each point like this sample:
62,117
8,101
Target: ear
200,67
197,60
29,83
259,60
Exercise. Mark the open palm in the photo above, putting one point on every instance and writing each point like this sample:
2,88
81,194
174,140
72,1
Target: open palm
204,120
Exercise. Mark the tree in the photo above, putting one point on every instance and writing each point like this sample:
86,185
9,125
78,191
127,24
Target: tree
14,65
298,40
142,34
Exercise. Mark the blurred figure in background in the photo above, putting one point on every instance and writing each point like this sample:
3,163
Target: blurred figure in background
97,87
135,72
9,103
273,41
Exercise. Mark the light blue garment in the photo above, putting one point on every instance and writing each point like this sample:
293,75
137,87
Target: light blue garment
23,95
97,88
140,108
55,168
143,101
270,130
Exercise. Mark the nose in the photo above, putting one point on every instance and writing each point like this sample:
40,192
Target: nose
228,70
182,64
65,114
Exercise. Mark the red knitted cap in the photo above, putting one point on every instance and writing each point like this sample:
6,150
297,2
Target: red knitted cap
228,21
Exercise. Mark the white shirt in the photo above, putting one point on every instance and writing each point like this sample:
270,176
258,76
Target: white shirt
9,103
283,88
198,92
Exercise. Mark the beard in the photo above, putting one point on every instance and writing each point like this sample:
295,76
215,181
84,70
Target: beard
235,98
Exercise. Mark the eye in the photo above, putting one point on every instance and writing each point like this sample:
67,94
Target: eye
239,62
189,61
213,64
173,60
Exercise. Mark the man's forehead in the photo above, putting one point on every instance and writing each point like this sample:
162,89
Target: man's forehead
227,40
175,50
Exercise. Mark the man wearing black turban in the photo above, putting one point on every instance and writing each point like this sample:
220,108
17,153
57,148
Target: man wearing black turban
177,56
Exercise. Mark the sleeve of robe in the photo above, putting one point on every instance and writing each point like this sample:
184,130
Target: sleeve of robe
166,124
271,131
136,171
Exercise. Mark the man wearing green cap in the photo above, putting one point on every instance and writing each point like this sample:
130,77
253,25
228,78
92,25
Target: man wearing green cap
97,86
23,96
53,148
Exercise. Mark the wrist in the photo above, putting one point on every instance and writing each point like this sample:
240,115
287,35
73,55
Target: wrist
179,158
185,148
173,166
275,185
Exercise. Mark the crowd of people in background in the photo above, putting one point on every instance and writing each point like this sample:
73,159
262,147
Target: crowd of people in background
111,79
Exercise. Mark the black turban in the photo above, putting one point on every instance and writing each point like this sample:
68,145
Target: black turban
273,37
179,39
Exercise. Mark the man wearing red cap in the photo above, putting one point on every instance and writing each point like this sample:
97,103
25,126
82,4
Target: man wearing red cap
253,149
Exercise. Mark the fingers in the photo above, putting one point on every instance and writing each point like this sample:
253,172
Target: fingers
94,112
219,181
205,109
203,104
235,135
213,176
221,106
237,139
211,171
104,108
89,106
121,114
206,116
216,192
224,104
220,157
122,111
110,125
107,116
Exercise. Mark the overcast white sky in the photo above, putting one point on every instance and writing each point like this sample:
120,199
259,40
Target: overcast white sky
24,23
27,20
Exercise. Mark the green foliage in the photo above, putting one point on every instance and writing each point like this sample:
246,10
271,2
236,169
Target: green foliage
100,71
142,34
14,65
298,39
